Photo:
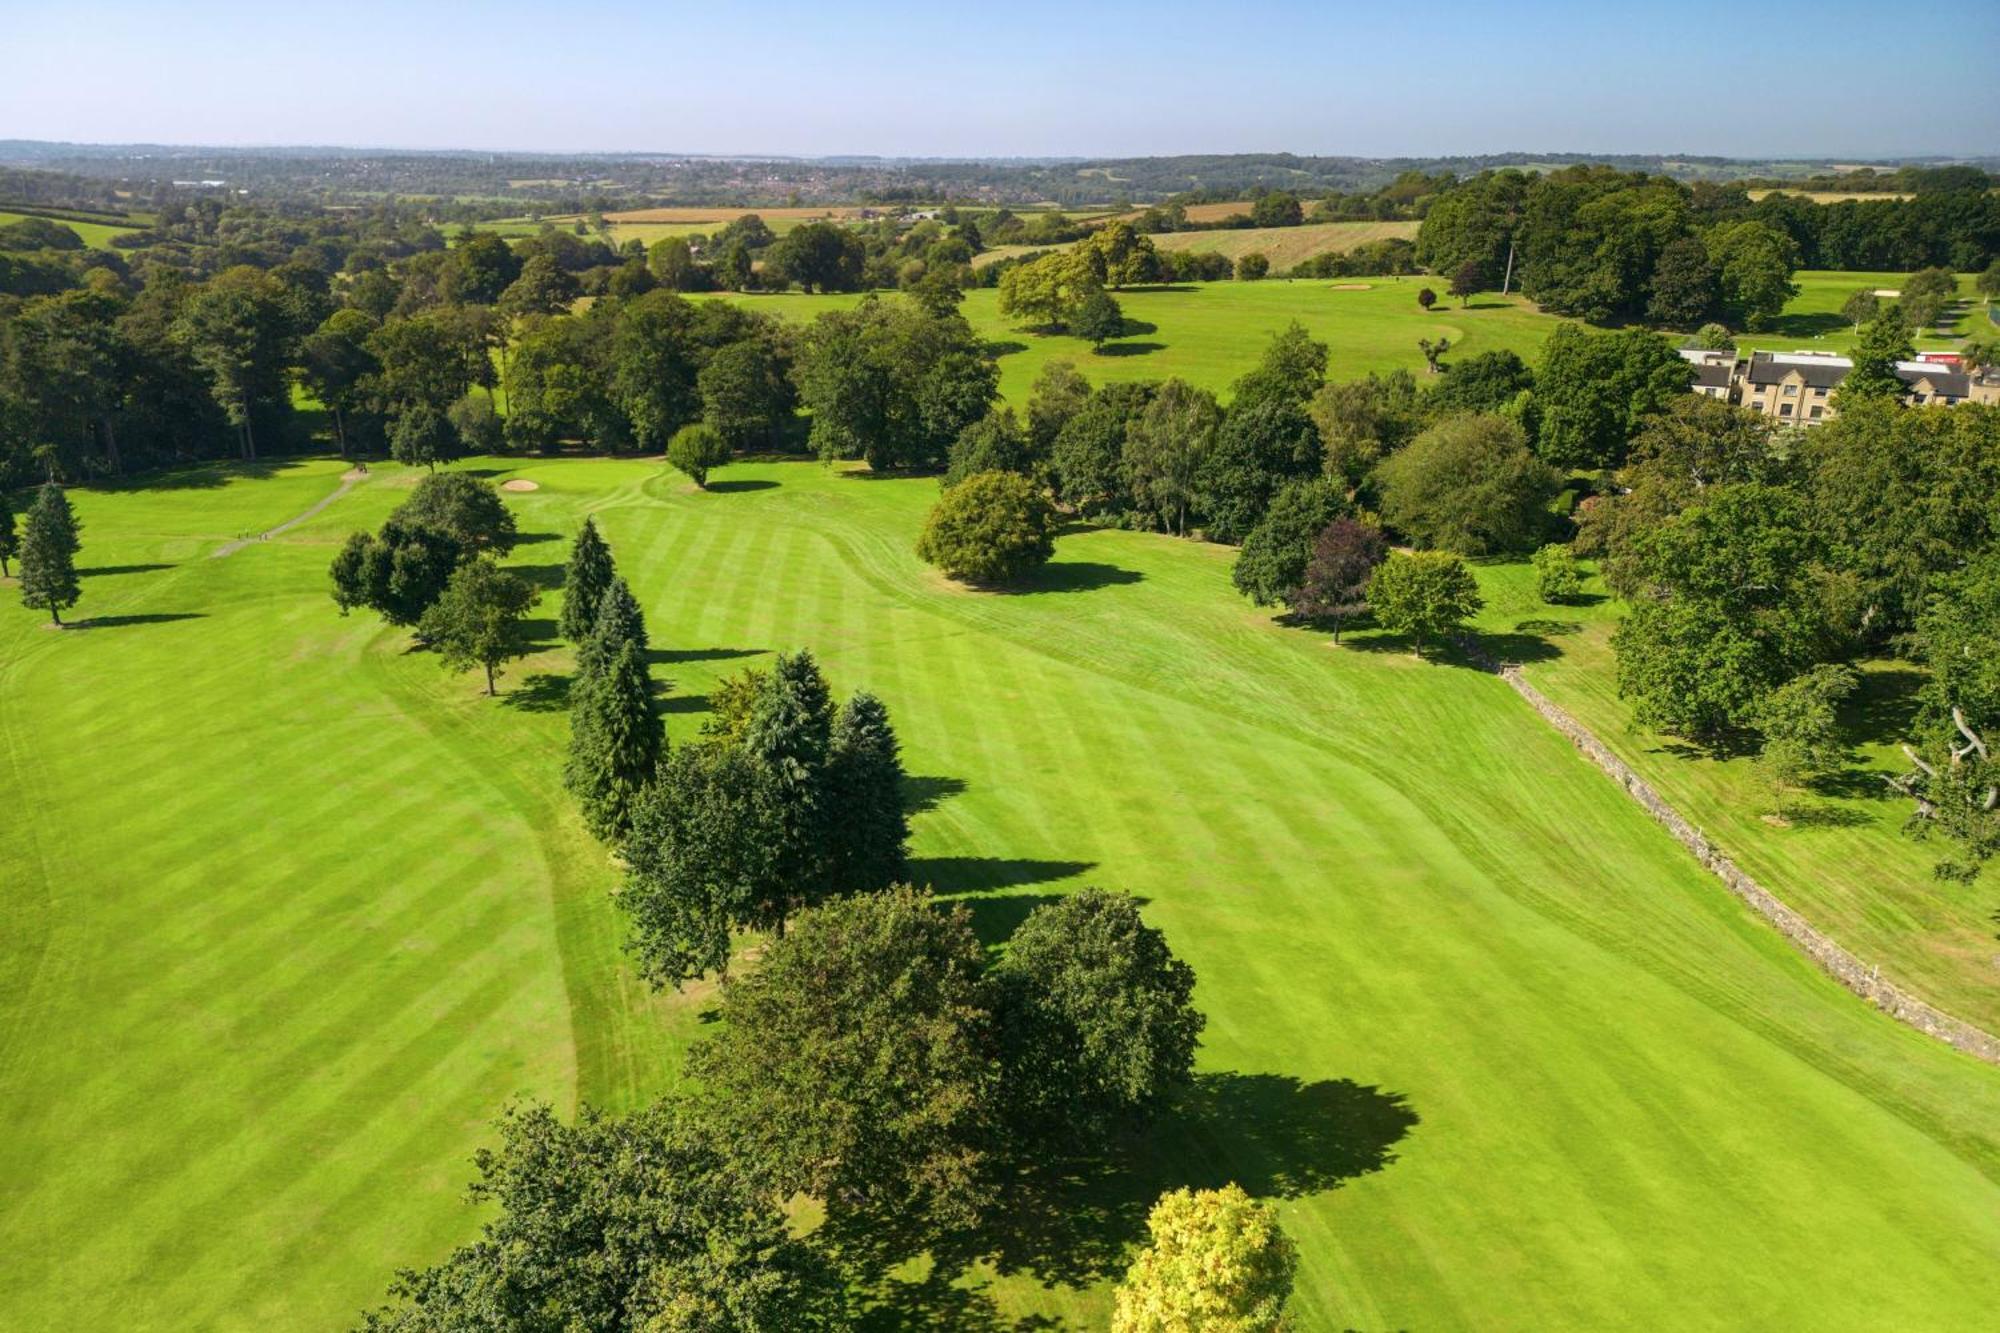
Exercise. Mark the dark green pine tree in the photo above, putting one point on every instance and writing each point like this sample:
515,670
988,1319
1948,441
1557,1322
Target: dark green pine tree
619,621
867,829
10,538
585,580
788,740
48,554
615,742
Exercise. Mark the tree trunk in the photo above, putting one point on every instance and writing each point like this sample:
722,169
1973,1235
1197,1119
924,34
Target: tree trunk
340,432
490,691
55,613
111,448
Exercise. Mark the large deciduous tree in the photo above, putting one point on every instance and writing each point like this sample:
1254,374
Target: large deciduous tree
476,620
1468,484
1217,1260
1594,391
992,528
1272,564
1426,596
1344,557
1165,447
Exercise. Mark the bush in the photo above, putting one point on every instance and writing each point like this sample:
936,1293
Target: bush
992,527
1557,578
1252,267
697,450
1218,1260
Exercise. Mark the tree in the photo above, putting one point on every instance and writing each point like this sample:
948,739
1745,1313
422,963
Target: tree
1753,270
615,742
1683,285
1426,595
818,256
1266,441
892,383
1434,354
641,1221
477,619
788,738
423,437
697,450
867,828
1954,776
1728,606
1164,450
991,528
544,288
994,443
49,544
1884,341
1253,267
1488,382
1218,1262
1926,295
1095,1019
1272,563
1800,722
1468,281
336,366
1344,559
482,267
1088,454
1050,289
855,1063
1860,307
477,425
1426,298
1594,391
746,395
673,265
10,538
1710,338
239,328
1468,484
398,574
465,508
585,578
619,621
1988,282
696,865
1361,421
1097,317
1060,392
1557,578
1276,208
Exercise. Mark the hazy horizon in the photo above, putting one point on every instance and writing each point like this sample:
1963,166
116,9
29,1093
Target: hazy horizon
1039,81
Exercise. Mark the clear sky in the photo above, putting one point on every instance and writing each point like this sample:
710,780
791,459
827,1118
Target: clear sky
1020,77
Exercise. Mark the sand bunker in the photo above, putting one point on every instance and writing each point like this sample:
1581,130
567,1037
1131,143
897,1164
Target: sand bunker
520,484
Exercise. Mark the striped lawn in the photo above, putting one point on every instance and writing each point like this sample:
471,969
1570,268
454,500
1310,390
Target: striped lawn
297,913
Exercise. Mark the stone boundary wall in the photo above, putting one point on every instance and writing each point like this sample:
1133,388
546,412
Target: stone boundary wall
1842,966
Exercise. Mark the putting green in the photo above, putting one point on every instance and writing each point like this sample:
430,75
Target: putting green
291,913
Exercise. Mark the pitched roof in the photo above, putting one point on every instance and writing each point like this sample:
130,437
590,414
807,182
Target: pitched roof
1944,379
1820,372
1712,375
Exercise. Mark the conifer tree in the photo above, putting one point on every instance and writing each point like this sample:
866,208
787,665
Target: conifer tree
10,539
585,580
619,621
48,555
868,831
788,740
615,742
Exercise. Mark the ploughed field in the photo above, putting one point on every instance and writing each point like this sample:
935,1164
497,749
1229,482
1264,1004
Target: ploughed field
290,914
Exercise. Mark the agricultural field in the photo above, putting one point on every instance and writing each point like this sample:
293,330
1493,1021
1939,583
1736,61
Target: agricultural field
96,235
1838,855
294,913
1286,246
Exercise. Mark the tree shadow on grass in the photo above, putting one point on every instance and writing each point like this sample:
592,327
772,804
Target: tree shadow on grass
536,538
921,794
1004,347
1549,629
682,703
539,635
203,476
1885,707
1808,325
672,656
546,578
1070,576
540,692
106,571
1129,349
741,486
986,874
1137,328
152,618
1829,816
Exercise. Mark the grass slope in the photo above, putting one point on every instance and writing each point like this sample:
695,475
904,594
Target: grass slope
96,235
300,911
1841,857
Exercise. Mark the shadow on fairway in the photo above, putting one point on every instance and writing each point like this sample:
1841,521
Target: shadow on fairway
1069,576
542,692
985,874
927,793
106,571
741,485
1130,349
1075,1223
669,656
205,476
535,538
151,618
546,578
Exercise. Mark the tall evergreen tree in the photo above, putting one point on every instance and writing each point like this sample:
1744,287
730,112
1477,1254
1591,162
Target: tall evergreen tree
619,621
48,554
10,539
615,742
788,740
868,830
585,580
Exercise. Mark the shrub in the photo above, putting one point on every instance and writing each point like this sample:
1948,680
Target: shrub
1218,1260
992,527
1557,578
697,450
1252,267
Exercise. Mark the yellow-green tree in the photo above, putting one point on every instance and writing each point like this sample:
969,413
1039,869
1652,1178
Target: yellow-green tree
1219,1263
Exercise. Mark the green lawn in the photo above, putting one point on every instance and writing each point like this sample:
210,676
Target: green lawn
1840,856
1211,332
292,913
1812,320
96,235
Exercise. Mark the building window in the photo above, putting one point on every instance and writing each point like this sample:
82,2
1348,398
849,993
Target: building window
1816,413
1785,410
1791,391
1819,393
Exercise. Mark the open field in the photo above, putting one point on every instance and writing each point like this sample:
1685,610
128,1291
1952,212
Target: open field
1286,246
1209,212
1812,319
96,235
1832,196
1212,332
291,913
1842,859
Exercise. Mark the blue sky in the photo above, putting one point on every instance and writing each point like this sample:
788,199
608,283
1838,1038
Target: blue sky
1835,78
